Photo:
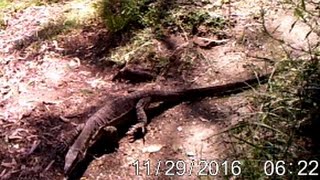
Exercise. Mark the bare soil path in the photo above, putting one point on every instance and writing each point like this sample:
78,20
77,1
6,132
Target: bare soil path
41,90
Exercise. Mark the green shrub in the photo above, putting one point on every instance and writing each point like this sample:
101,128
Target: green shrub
119,14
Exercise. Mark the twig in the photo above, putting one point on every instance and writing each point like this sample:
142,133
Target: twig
49,166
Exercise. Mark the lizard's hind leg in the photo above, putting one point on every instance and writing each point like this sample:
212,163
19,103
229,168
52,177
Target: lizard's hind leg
141,116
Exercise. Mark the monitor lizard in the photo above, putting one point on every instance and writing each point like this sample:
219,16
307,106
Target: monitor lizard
112,113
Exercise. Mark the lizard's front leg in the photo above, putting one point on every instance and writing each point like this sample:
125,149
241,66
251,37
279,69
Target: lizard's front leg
108,131
141,116
111,131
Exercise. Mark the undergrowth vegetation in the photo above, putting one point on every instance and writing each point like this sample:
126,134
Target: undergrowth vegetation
150,19
120,15
284,129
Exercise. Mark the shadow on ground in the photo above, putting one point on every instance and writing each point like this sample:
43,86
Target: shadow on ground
44,162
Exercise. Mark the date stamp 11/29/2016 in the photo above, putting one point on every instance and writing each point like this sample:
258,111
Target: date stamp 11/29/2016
221,168
183,168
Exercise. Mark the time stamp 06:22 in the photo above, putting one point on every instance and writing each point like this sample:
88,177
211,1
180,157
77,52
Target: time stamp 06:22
214,168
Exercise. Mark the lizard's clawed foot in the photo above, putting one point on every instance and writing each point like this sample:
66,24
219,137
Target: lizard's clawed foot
61,148
139,127
62,145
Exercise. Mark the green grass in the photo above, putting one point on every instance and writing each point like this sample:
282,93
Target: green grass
16,5
4,4
118,15
140,46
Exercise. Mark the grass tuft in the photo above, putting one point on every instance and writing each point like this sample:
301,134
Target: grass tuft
286,124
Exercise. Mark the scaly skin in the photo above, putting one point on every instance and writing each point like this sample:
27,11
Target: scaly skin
94,125
112,114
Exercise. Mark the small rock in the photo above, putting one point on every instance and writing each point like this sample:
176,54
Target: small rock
152,148
191,154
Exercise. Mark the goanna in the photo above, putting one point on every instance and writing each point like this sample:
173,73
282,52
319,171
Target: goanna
112,113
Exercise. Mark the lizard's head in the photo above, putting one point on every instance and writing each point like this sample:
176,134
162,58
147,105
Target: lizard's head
71,161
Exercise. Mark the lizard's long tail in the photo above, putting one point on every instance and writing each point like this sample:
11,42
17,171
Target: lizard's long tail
219,90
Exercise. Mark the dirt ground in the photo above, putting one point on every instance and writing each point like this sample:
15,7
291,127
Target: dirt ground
44,93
